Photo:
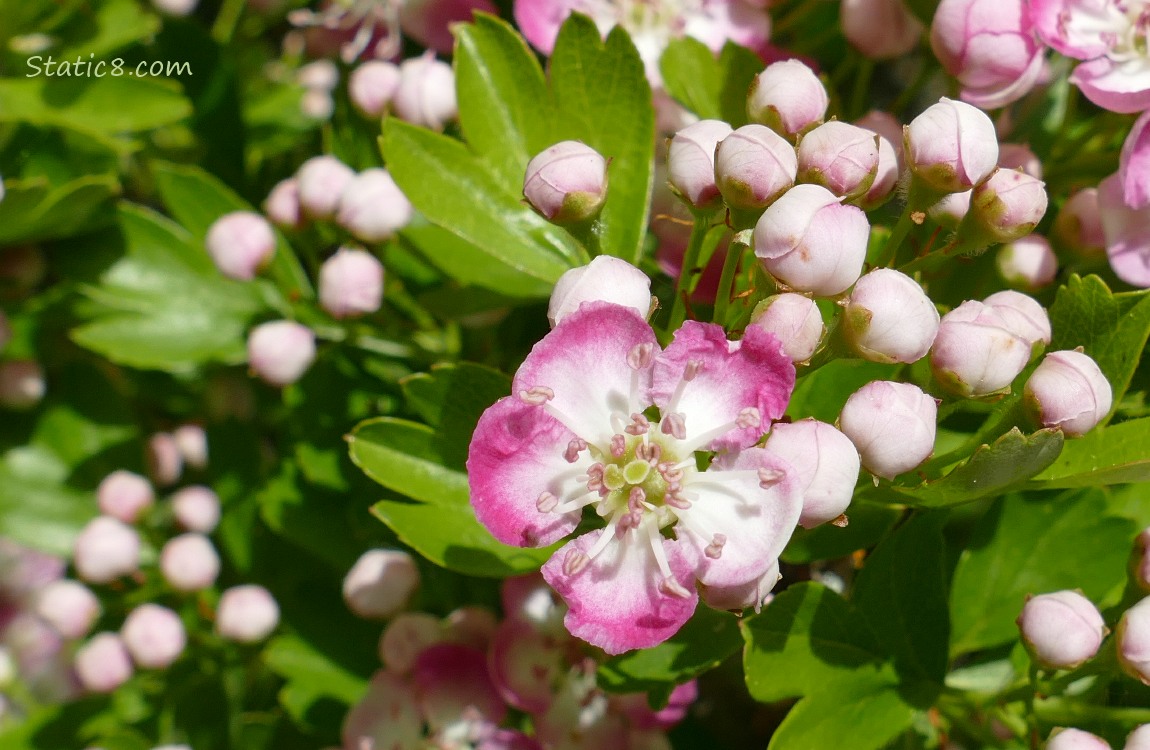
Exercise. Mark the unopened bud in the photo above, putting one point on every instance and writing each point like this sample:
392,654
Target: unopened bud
1075,739
282,204
196,508
1028,262
691,161
380,583
154,636
1139,739
405,638
1078,226
951,209
372,206
788,98
425,95
841,157
1061,630
1006,207
566,182
103,664
888,318
322,181
826,467
1018,156
1022,314
351,283
105,550
1140,565
891,424
22,384
371,87
165,463
247,614
124,495
192,442
1068,390
976,352
754,165
1134,641
69,607
176,7
951,147
280,352
880,29
604,279
795,321
189,562
241,243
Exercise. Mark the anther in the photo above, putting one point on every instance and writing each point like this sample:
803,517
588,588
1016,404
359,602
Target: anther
639,425
693,368
749,417
640,356
769,477
676,500
618,445
546,502
649,452
674,424
670,587
575,562
573,449
536,395
714,550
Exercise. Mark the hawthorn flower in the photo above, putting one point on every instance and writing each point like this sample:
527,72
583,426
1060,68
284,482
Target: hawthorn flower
580,432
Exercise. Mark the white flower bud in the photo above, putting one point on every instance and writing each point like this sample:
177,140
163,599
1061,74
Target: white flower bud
1061,630
192,442
351,283
322,181
691,161
1023,315
372,207
604,279
1075,739
102,664
795,321
105,550
788,98
976,351
1139,739
891,424
1068,390
280,352
189,562
22,384
247,614
165,463
841,157
827,464
371,87
888,318
566,182
241,243
1028,262
154,636
754,165
405,637
196,508
124,495
380,583
68,606
425,95
282,204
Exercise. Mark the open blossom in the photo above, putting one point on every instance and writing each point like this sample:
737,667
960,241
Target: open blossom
1110,35
575,434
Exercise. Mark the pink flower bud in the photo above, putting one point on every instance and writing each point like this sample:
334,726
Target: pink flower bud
1075,739
192,442
281,351
788,98
795,321
811,242
165,463
841,157
105,550
951,147
1139,739
990,46
372,207
405,638
154,636
351,283
317,104
604,279
176,7
976,352
189,562
21,384
1134,165
102,664
888,318
886,176
426,92
69,607
322,181
891,424
566,182
282,204
1078,226
241,243
1028,262
885,124
1023,315
247,614
1141,564
1134,641
1061,630
1007,206
196,508
1067,390
827,464
691,161
380,583
880,29
754,166
1127,233
124,495
321,74
1018,156
951,209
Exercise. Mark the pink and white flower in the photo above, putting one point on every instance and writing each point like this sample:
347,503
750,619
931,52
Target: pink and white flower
575,434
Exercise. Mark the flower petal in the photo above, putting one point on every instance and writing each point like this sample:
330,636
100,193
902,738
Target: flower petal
1078,28
539,20
1123,87
1134,164
584,362
615,602
1127,234
516,455
385,717
451,679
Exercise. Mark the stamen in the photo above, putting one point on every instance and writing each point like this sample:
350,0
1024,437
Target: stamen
618,445
536,395
749,417
675,425
640,356
693,368
575,562
714,550
595,478
746,418
546,502
649,452
577,504
675,499
639,425
670,587
605,539
655,539
770,477
573,449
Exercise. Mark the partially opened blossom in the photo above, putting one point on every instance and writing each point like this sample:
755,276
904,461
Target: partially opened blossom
880,29
575,433
1127,233
1134,164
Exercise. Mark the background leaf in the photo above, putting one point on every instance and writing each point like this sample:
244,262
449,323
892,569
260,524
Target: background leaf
1114,454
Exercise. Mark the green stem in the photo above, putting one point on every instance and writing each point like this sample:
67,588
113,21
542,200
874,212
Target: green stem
367,343
727,281
225,26
861,88
896,238
798,15
1031,714
689,272
1062,712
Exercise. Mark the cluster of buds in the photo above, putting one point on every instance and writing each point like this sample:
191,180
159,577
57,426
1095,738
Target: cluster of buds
420,90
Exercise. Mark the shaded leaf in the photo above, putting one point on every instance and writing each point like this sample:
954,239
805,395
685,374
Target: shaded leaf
1115,454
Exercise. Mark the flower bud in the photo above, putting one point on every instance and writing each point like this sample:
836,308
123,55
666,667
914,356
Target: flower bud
566,182
841,157
105,550
322,181
317,104
320,74
1006,207
1134,641
247,614
886,176
604,279
1068,391
165,464
1061,630
380,583
282,204
788,98
69,607
154,636
754,166
124,495
241,243
1018,156
189,562
1078,226
827,466
888,318
1139,739
884,123
351,283
281,351
176,7
1127,233
1022,315
891,424
192,442
371,87
951,209
372,207
405,638
976,352
196,508
425,95
1028,262
951,147
811,242
795,321
880,29
22,384
1134,165
691,161
990,46
102,664
1140,567
1075,739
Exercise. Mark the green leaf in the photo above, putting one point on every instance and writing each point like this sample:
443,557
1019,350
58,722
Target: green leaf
1033,546
901,592
451,398
196,199
467,263
310,675
108,26
40,513
867,524
505,108
108,104
707,639
1111,328
1106,455
711,88
991,469
456,190
33,210
604,100
859,714
822,393
405,457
